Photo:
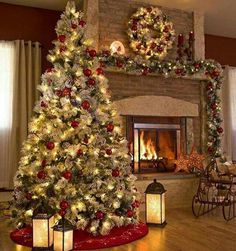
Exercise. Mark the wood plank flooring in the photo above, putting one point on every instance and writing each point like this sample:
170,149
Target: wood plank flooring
183,233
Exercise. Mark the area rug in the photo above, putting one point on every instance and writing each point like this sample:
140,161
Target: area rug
85,241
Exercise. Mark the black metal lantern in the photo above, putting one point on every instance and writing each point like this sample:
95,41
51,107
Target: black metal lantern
155,204
42,230
63,235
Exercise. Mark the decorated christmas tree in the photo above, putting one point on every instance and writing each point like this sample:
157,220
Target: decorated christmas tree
75,159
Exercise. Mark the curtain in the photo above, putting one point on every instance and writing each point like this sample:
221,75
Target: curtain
6,94
229,113
27,72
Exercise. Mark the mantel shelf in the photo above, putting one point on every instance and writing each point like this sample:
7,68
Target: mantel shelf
195,77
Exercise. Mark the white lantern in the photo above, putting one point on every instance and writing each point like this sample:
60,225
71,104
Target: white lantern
117,48
42,231
155,204
63,236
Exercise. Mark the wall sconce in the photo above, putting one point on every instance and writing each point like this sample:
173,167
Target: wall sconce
42,230
117,47
155,204
63,235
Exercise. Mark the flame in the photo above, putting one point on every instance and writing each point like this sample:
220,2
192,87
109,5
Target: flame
147,151
165,144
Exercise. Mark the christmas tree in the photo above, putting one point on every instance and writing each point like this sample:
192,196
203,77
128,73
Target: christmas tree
75,159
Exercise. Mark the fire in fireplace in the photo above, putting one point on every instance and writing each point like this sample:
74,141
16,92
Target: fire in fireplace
154,146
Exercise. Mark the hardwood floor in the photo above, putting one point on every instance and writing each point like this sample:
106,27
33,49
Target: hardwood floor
182,233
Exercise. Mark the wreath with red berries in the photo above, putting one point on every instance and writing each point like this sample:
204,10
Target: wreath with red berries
150,32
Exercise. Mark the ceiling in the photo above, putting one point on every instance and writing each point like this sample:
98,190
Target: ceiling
220,17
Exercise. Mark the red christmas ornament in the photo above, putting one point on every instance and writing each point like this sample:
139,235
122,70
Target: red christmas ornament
138,46
178,71
210,149
43,104
166,29
197,66
115,173
85,105
67,175
106,53
86,140
215,73
102,64
119,64
64,205
43,163
213,106
110,127
153,45
79,152
220,130
99,215
62,212
145,71
61,38
66,91
59,93
209,86
50,145
74,26
109,152
87,72
91,82
62,49
74,124
49,70
41,175
159,49
82,23
100,71
28,196
135,204
129,213
134,27
92,53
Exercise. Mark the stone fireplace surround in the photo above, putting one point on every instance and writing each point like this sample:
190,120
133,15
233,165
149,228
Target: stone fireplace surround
107,23
157,96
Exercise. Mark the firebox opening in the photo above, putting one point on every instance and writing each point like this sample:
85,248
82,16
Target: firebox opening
155,146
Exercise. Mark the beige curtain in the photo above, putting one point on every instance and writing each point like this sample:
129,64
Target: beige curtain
26,79
6,94
229,113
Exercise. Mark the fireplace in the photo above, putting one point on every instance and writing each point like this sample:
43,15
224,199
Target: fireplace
155,142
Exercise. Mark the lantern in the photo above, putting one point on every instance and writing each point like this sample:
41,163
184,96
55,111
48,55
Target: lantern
155,204
42,230
63,236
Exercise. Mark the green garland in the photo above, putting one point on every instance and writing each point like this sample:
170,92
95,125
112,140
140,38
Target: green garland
213,78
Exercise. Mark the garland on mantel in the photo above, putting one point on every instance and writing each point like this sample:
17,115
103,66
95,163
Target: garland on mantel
212,76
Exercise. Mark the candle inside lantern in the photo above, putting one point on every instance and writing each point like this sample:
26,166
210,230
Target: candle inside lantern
180,39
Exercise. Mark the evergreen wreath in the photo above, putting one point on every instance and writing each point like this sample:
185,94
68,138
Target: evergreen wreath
150,32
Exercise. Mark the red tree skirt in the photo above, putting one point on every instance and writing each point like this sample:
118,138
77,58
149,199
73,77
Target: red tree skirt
84,240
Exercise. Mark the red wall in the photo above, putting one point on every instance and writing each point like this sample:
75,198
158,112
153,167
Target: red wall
222,49
19,22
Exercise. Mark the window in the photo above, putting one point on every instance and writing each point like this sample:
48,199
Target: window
6,95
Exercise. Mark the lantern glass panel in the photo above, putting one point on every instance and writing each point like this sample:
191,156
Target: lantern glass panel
42,231
58,240
155,208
